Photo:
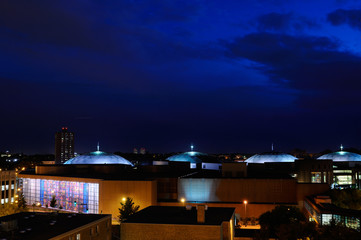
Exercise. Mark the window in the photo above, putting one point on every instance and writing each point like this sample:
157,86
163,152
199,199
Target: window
326,219
78,236
316,177
97,229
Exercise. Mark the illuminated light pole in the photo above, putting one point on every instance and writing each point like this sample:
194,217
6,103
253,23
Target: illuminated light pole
183,200
245,209
123,199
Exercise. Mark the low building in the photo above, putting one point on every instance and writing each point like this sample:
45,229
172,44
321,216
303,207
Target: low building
55,226
322,211
200,222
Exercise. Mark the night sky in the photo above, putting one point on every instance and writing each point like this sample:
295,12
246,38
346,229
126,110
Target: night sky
227,76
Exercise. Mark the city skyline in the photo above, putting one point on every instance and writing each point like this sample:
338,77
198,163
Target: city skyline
231,76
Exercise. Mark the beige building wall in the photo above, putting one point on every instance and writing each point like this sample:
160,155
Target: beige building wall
237,190
8,186
144,194
136,231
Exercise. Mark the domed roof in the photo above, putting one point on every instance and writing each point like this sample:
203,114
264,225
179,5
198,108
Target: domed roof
342,156
192,157
271,157
98,157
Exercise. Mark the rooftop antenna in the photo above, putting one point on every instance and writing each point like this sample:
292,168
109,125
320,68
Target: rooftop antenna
272,147
341,147
192,147
98,147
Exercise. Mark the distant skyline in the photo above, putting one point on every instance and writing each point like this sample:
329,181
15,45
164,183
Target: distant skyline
227,76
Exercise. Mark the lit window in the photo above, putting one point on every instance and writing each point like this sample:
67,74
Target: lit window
326,219
316,177
78,236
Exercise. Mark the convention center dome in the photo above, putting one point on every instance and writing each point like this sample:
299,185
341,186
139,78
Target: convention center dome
192,157
342,156
271,157
98,157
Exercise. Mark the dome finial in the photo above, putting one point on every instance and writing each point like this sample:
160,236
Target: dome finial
341,147
98,147
192,147
272,147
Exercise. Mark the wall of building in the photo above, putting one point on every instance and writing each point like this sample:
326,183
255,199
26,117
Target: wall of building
98,230
307,189
144,194
234,169
136,231
8,186
236,190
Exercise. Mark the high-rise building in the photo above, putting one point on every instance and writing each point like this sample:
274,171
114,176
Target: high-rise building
64,146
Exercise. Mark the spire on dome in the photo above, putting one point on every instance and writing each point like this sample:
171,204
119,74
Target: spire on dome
192,147
341,147
98,147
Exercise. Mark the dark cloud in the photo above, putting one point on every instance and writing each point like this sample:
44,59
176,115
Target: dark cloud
283,22
326,77
350,17
300,62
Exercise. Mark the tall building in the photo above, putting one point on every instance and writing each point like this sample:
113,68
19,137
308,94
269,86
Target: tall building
64,146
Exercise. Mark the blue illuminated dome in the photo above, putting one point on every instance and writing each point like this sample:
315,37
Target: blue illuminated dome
192,157
271,157
98,157
342,156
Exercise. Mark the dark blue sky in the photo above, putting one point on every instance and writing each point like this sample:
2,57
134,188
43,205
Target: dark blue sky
228,76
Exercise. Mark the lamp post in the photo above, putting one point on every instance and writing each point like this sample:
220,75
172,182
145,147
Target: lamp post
183,200
245,208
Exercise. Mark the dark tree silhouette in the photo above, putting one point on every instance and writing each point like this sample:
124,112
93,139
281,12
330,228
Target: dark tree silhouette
53,202
127,209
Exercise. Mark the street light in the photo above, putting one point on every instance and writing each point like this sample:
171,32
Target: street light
245,208
183,200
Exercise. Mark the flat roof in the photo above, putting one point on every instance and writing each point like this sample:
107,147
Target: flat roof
181,216
41,226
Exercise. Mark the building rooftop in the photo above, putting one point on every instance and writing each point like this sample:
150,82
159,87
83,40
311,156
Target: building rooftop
39,226
180,215
98,157
271,157
342,156
327,207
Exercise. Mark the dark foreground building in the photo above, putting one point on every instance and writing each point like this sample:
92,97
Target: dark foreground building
55,226
180,223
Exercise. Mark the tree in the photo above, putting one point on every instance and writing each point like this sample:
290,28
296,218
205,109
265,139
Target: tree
127,209
338,231
22,202
285,222
53,202
346,198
